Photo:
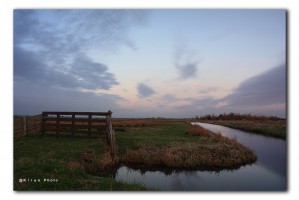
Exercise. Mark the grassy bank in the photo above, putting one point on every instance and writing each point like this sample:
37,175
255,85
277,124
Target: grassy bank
273,128
71,163
180,145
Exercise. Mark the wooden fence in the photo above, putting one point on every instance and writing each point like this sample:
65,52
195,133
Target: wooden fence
80,122
27,125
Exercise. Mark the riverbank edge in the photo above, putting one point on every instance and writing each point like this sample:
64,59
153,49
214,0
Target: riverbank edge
223,154
235,124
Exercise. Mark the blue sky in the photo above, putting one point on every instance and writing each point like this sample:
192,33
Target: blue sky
150,63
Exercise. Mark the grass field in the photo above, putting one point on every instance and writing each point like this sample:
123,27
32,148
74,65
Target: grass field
71,163
68,160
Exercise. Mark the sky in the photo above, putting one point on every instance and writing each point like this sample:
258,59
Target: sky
150,63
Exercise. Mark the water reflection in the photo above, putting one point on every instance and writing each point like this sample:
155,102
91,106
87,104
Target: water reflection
253,178
267,174
271,152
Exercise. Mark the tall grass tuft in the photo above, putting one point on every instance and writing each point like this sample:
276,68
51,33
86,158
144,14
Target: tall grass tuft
94,162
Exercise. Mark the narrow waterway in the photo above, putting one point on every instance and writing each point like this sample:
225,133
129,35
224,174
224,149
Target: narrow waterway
268,173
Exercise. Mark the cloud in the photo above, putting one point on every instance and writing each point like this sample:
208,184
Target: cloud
209,90
75,30
263,94
187,70
27,64
190,107
144,90
261,90
184,61
195,104
82,73
37,99
50,46
169,98
91,75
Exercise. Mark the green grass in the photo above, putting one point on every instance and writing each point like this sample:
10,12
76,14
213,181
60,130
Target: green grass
57,158
167,134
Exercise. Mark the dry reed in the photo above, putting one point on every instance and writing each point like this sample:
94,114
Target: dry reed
192,156
94,162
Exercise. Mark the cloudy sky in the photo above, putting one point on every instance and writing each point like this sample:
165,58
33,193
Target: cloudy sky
150,63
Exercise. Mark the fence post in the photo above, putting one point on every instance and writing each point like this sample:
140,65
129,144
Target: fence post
107,128
44,116
25,125
57,124
110,134
73,124
89,124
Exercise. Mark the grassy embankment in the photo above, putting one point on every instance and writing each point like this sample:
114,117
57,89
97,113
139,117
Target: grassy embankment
264,125
180,145
273,128
74,161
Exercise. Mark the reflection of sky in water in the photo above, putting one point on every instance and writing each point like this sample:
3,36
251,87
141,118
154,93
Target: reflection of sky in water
271,152
269,172
246,178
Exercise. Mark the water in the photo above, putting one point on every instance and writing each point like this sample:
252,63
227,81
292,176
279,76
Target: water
268,173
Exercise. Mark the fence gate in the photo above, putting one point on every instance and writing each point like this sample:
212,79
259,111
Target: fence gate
80,122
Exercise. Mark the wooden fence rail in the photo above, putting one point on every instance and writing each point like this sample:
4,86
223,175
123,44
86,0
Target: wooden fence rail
80,122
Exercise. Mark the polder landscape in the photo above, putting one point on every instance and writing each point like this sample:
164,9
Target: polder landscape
149,100
78,162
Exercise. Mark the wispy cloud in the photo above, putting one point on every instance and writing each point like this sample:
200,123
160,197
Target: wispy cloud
50,46
208,90
185,63
144,90
187,70
82,72
197,104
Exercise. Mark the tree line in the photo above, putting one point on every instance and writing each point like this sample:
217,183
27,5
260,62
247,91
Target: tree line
237,116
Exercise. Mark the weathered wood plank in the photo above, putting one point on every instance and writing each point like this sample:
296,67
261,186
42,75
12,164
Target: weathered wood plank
75,126
66,119
75,113
53,130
